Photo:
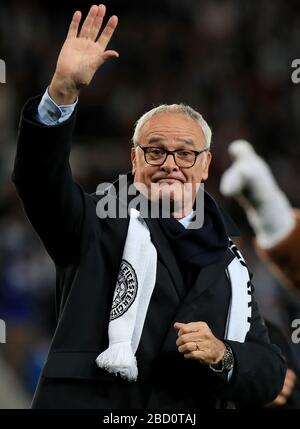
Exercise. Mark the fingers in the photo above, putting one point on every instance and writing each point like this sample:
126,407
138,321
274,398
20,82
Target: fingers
196,355
73,29
97,22
196,341
289,383
279,401
87,26
290,377
186,328
194,348
92,25
286,391
193,337
188,347
108,31
178,325
201,354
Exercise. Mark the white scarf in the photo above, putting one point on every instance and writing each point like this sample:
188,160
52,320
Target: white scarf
135,284
131,299
240,310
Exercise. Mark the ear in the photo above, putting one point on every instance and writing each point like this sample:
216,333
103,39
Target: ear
206,165
133,160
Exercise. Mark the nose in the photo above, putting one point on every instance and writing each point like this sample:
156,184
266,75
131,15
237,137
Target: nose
169,164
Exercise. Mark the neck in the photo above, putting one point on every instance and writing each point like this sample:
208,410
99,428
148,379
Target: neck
180,211
180,214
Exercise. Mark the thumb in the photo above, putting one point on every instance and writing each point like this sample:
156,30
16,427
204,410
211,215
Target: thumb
110,54
178,325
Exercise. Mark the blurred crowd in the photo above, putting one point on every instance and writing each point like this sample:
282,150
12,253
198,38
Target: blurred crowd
230,60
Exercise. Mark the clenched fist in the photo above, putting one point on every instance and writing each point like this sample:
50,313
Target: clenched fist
196,341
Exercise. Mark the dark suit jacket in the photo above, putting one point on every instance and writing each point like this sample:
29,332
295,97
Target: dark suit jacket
87,253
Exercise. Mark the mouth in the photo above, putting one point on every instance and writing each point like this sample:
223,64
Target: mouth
168,180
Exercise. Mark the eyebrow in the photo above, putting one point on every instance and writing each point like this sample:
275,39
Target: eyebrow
157,139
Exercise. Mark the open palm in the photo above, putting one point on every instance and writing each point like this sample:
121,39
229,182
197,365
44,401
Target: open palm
82,54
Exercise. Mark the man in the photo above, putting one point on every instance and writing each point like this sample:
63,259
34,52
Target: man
160,344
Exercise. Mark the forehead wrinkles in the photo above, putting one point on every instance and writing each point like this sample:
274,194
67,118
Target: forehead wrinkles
163,130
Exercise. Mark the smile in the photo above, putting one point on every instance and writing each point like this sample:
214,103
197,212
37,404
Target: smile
169,181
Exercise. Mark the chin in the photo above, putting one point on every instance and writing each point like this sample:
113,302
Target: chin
168,195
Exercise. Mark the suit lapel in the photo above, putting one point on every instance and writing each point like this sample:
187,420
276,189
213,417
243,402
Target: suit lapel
118,228
114,238
166,255
205,279
190,308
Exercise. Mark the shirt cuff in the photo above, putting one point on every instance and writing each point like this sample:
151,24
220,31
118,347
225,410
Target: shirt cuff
229,375
49,113
225,376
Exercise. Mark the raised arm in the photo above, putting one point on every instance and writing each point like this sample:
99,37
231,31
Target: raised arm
54,204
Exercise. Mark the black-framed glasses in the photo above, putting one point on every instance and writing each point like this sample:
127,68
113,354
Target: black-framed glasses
183,158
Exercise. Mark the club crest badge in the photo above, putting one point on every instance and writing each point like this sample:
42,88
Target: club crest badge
126,290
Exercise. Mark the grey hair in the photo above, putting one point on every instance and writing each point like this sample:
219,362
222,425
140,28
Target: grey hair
173,108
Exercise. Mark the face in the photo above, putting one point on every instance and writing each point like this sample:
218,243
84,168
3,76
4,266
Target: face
171,131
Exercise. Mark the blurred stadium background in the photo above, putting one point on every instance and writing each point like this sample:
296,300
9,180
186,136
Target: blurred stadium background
229,59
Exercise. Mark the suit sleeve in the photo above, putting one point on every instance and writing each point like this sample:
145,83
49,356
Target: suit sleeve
259,369
53,203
